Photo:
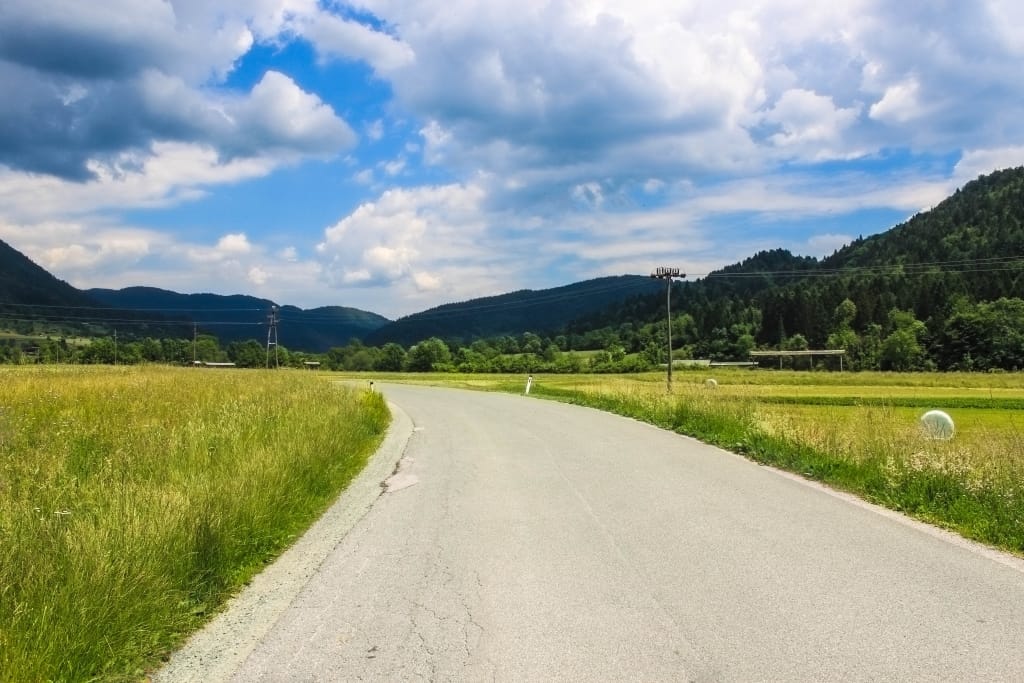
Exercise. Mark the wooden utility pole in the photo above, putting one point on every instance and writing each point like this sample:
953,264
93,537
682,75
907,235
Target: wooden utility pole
668,274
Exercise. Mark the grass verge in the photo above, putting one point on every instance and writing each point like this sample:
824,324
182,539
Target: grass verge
134,501
883,461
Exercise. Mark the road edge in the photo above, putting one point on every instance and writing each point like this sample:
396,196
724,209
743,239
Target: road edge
217,650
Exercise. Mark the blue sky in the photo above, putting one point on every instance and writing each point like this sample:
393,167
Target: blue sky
393,156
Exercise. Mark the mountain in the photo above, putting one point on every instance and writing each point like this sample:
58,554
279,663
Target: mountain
239,317
31,299
538,311
969,247
23,285
945,271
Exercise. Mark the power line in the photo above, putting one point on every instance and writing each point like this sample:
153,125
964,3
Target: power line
72,320
132,308
956,266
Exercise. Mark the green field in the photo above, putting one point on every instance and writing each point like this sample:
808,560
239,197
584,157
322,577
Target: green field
856,431
134,501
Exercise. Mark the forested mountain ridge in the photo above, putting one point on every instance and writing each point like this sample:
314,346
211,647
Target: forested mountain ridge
240,317
31,296
24,283
537,311
933,283
969,248
983,219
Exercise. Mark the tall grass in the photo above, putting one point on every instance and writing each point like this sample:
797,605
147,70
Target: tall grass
134,501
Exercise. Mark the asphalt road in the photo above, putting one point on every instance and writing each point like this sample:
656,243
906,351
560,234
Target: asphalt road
525,540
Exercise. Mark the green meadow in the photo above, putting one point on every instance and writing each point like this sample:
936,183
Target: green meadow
135,501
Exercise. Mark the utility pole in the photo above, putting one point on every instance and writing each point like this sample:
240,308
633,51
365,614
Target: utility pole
195,336
115,347
272,321
668,274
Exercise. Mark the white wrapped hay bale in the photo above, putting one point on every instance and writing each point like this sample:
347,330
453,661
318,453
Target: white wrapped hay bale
937,425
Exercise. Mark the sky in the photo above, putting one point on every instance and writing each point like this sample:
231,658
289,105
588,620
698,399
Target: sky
392,155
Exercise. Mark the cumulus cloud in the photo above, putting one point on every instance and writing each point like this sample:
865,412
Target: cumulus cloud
95,82
166,174
975,162
403,235
826,244
572,138
808,120
415,248
336,36
563,93
899,104
234,244
258,275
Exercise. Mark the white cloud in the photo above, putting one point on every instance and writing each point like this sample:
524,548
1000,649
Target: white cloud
809,121
375,130
234,244
826,244
279,114
168,174
899,104
573,139
258,275
588,194
289,254
653,185
976,162
393,168
95,83
334,36
403,235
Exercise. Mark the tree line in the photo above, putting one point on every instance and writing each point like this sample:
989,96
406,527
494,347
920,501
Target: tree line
985,336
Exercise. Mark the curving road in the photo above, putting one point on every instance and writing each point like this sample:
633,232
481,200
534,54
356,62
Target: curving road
525,540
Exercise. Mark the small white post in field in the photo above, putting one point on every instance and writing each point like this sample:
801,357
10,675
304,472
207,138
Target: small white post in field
529,381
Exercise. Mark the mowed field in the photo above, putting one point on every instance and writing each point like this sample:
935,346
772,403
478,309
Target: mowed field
859,432
135,500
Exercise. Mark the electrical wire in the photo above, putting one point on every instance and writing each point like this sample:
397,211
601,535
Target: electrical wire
501,303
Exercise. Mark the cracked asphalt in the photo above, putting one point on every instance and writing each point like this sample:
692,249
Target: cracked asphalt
525,540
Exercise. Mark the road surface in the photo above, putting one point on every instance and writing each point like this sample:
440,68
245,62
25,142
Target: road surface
525,540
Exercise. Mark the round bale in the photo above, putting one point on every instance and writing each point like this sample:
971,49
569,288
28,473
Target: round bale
937,425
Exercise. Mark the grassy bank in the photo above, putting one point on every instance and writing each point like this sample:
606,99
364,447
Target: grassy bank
134,501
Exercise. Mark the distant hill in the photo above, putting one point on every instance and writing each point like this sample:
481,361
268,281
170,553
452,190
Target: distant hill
538,311
33,300
967,249
24,282
239,317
